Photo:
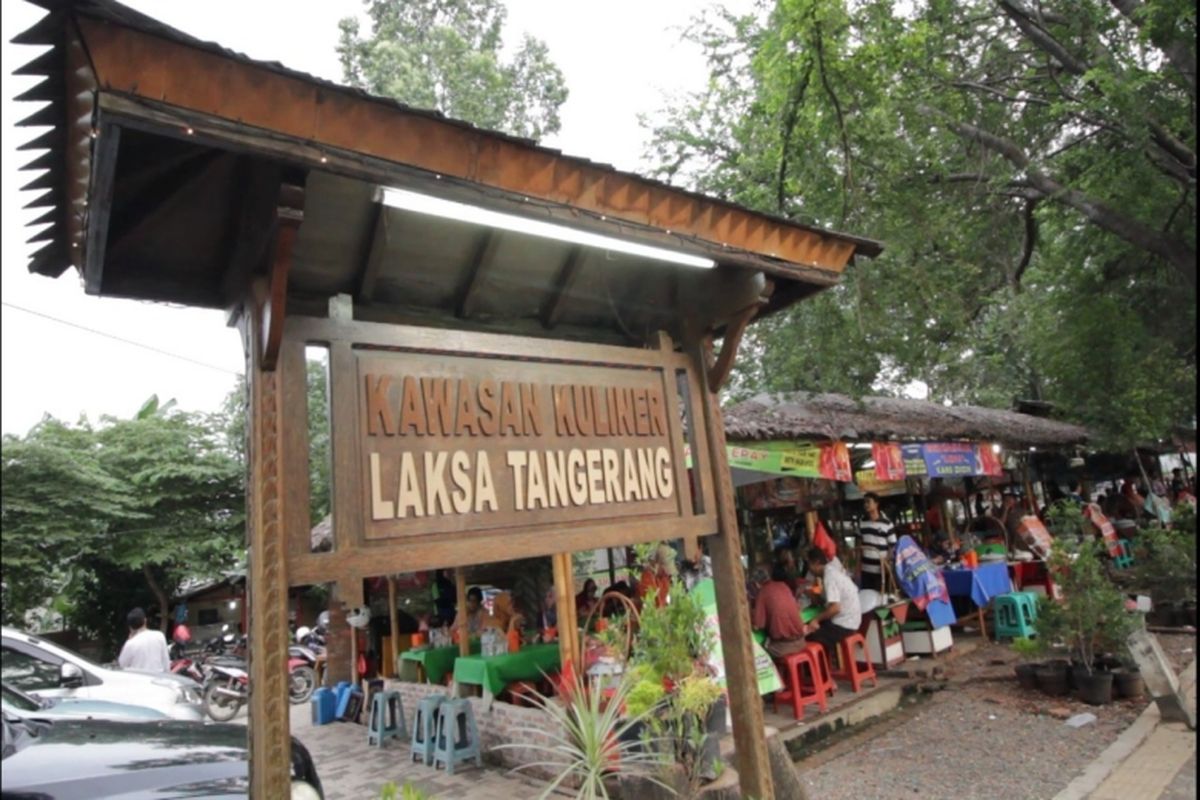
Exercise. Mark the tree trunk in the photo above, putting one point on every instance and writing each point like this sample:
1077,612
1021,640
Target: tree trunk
163,600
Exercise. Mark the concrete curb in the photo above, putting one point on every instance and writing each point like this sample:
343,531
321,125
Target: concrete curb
1129,741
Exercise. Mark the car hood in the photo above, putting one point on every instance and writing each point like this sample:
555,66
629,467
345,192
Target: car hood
61,707
77,759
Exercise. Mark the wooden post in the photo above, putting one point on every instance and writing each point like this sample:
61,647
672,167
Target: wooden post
267,579
612,570
394,625
733,610
464,630
564,594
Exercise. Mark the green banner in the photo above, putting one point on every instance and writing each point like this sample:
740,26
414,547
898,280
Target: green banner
764,668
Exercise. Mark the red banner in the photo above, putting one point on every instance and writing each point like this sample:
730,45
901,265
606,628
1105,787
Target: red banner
988,460
835,462
889,463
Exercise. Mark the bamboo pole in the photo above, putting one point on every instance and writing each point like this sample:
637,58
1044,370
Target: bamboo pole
464,630
394,626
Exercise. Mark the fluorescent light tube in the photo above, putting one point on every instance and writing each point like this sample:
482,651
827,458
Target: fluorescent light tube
450,209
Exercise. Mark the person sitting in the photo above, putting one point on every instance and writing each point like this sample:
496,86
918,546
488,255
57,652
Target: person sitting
842,614
777,612
586,599
472,616
506,619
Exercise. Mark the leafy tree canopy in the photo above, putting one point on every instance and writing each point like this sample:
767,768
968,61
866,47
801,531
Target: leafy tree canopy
156,498
447,55
1030,168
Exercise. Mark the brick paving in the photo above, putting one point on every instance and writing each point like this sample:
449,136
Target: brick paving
351,770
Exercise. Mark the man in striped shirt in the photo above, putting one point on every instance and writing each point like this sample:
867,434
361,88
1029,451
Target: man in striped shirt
876,539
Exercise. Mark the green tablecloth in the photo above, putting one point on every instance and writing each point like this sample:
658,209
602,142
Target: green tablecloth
495,672
806,616
437,661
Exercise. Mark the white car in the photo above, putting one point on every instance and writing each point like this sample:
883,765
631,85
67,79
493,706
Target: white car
32,664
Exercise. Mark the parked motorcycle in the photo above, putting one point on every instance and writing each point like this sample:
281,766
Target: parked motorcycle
227,690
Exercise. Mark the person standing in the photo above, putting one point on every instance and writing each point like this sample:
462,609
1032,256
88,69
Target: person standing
144,649
876,539
842,614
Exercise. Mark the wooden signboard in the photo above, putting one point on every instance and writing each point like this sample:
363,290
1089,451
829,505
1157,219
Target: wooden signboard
453,448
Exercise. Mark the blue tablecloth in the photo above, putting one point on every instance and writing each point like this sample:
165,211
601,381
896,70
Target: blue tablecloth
980,584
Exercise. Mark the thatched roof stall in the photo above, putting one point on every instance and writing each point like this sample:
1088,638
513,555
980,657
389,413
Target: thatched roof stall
803,415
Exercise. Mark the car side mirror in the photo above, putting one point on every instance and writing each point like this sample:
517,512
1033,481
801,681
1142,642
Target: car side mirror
70,676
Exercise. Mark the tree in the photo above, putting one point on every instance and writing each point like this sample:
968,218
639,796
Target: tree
90,514
446,55
1030,169
186,491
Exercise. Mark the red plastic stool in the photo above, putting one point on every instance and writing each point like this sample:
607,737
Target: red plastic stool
793,666
823,680
850,668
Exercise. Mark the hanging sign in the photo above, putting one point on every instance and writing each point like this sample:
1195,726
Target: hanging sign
889,461
463,443
913,456
988,460
867,481
949,459
765,672
828,460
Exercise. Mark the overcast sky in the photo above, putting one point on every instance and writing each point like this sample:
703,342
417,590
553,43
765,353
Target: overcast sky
618,57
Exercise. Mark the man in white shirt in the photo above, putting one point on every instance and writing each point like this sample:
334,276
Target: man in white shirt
842,613
144,649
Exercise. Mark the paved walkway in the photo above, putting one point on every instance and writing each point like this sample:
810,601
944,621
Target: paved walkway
350,770
1153,767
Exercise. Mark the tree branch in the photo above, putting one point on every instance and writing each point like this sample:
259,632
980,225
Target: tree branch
847,176
1031,231
1176,252
1176,51
789,127
1026,20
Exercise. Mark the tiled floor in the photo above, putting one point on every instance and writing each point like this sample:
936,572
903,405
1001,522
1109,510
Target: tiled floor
352,770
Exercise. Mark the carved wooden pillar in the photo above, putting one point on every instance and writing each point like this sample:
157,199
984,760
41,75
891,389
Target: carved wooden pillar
267,581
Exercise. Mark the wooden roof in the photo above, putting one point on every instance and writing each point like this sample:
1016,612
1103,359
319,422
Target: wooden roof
167,154
801,415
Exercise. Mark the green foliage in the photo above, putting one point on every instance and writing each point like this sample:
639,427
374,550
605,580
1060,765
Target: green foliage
590,739
101,518
1027,649
409,791
1091,618
672,638
446,55
1165,564
646,696
1039,221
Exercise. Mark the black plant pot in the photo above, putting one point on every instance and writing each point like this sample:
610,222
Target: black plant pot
1128,683
1053,679
1189,614
1027,675
634,734
1095,689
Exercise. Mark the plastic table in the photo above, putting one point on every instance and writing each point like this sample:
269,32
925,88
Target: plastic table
979,585
493,673
436,662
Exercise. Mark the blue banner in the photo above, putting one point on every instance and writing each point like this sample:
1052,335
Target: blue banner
919,578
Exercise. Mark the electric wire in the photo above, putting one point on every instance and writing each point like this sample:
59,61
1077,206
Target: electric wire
142,345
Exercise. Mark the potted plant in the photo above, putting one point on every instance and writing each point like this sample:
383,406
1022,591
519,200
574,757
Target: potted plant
1090,619
1027,650
1165,566
589,739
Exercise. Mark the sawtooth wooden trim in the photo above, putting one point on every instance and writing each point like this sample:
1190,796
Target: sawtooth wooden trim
157,68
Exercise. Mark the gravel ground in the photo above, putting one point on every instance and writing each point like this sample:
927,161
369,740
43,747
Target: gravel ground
982,737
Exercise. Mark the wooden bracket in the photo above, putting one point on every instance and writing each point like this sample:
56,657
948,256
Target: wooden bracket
288,216
718,372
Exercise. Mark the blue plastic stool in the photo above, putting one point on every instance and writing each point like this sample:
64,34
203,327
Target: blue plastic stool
1125,560
386,719
424,729
324,706
457,736
1014,615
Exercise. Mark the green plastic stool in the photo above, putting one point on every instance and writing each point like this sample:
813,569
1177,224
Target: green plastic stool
1014,616
1125,560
